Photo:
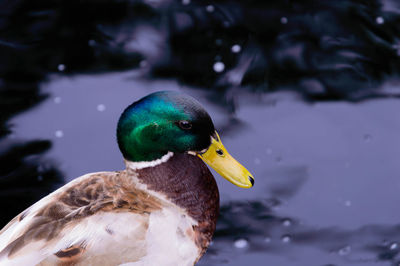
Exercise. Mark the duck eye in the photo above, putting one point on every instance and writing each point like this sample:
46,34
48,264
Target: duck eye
185,124
219,152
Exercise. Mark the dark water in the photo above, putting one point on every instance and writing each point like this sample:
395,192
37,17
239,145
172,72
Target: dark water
305,95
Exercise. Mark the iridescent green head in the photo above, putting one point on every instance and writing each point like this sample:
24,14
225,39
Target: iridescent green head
169,121
163,122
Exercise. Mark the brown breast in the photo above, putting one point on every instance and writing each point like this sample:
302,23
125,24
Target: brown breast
187,182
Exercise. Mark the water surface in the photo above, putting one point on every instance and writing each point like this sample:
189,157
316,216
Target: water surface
326,173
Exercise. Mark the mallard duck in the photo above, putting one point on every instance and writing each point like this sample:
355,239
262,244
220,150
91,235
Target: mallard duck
161,210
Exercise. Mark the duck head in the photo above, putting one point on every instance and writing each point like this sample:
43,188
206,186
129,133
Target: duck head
171,122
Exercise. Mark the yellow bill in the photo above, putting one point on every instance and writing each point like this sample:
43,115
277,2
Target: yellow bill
221,161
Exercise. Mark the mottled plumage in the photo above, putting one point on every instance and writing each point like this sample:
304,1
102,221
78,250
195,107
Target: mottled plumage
123,192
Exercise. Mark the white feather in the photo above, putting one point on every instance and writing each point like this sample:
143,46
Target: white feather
168,243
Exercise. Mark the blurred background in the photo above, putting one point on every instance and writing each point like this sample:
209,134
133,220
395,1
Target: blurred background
304,93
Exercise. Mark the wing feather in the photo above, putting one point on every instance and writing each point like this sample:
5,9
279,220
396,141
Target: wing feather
94,214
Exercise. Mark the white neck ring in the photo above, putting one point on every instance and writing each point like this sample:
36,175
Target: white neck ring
141,165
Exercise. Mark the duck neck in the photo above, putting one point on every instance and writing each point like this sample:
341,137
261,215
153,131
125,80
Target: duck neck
186,181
